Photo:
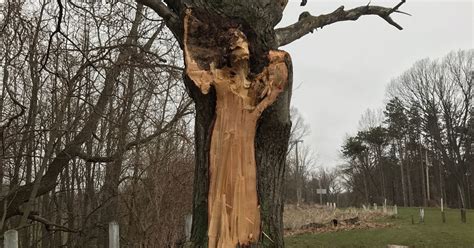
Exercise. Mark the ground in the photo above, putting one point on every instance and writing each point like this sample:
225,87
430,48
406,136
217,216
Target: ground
432,233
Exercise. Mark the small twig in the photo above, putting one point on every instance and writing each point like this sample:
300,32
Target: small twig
268,237
397,6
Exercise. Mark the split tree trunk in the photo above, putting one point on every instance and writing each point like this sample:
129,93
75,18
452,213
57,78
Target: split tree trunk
241,97
233,207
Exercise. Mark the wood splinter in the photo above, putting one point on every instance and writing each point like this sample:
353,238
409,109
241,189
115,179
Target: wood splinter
234,214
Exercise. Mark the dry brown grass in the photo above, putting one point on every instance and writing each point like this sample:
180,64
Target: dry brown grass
317,218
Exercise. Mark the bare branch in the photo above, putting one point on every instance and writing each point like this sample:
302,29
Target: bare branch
57,30
98,159
307,23
16,102
50,226
171,19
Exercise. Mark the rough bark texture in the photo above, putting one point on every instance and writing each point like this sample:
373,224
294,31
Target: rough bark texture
271,144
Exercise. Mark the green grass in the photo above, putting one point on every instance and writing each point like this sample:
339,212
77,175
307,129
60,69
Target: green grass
432,233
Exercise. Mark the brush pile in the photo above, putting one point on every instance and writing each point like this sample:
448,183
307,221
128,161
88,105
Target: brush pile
321,219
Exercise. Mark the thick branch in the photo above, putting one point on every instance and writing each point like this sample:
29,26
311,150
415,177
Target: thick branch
307,23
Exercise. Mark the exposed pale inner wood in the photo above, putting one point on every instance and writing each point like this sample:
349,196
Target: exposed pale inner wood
234,216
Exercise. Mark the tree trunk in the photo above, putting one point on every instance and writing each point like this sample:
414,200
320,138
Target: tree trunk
272,135
232,53
402,175
235,209
410,187
422,173
366,189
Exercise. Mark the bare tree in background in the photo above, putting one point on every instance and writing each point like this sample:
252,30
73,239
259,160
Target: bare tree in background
92,114
428,143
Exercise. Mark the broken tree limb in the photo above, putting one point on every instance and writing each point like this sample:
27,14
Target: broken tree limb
307,23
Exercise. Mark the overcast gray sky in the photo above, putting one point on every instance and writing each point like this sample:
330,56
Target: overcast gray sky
343,69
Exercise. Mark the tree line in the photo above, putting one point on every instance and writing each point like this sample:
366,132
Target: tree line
420,148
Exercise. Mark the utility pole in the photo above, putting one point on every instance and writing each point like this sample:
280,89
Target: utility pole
297,174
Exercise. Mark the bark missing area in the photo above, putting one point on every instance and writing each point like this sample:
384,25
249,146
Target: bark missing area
234,215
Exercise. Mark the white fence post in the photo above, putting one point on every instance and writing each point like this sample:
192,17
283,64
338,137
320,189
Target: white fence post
443,216
188,222
395,210
114,235
422,215
442,205
10,239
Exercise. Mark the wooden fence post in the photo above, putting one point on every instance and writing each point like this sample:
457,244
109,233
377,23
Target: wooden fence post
114,235
463,215
10,239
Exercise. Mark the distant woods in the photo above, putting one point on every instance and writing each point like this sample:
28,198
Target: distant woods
420,148
94,126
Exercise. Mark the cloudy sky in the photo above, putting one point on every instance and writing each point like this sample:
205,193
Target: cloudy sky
344,69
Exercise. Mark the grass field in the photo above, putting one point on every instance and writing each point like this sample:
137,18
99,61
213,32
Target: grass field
432,233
